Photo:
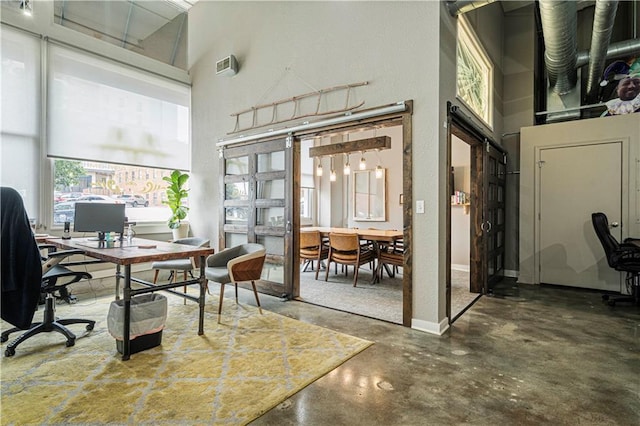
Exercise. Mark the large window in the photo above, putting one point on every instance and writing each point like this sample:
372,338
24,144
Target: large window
474,73
116,131
20,122
83,181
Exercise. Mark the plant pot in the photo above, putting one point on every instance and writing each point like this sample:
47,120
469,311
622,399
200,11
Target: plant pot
181,232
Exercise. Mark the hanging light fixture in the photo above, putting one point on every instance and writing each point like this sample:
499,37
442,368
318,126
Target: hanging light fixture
347,166
379,169
319,168
363,162
332,176
26,7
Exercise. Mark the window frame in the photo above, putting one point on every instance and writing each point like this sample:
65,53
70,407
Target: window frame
469,40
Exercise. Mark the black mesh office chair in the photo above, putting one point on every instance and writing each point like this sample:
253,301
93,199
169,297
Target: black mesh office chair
623,257
25,275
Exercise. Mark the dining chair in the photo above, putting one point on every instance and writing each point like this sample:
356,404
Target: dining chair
176,265
312,248
390,257
346,250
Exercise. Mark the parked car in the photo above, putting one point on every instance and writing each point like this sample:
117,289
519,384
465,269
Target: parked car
97,199
134,200
64,212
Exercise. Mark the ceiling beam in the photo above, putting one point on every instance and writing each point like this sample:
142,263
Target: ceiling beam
361,145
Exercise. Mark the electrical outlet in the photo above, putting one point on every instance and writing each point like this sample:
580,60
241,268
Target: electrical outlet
420,206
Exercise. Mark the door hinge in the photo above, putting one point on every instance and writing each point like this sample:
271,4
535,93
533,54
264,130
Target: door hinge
289,141
487,145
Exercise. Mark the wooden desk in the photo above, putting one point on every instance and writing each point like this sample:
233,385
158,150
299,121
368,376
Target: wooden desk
376,235
124,253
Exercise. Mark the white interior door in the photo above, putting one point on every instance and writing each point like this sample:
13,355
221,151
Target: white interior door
576,181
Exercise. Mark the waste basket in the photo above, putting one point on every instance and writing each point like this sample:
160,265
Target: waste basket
148,315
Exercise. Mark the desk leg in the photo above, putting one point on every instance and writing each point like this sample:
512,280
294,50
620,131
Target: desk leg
126,343
117,282
201,301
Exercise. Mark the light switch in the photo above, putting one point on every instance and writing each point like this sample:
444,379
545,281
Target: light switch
420,206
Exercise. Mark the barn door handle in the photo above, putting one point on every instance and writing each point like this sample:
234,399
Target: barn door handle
489,226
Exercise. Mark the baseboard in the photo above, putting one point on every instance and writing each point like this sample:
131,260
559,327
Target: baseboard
463,268
431,327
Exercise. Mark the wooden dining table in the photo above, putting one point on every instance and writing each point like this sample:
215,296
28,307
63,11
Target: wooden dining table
377,236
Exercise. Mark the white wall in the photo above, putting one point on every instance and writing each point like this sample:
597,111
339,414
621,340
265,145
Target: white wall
284,48
625,128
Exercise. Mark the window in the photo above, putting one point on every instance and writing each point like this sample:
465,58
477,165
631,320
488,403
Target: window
20,123
474,73
96,182
138,122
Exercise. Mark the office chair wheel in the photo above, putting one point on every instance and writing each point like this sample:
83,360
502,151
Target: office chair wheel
90,327
4,338
9,352
71,342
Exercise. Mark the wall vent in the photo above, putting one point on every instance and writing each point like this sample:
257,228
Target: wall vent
227,65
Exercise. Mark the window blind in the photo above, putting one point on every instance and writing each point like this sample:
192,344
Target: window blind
100,110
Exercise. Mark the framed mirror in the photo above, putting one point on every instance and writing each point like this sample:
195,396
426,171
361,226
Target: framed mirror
369,196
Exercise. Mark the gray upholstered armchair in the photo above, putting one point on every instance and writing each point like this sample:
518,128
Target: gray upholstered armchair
236,264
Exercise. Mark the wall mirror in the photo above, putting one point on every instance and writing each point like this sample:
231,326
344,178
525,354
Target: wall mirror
369,196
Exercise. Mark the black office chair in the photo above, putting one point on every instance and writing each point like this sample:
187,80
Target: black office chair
25,275
623,257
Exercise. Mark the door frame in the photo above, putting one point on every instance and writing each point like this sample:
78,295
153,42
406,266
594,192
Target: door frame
462,127
403,119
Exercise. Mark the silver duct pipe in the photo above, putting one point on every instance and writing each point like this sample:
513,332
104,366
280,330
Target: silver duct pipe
559,27
617,50
603,19
463,6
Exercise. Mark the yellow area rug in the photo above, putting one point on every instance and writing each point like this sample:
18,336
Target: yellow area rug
231,375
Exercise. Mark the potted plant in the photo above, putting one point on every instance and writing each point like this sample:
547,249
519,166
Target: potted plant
176,193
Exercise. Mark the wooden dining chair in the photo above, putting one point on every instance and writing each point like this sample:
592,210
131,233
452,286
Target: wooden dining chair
346,250
312,249
390,257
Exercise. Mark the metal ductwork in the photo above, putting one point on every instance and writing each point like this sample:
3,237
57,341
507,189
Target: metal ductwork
603,19
559,27
617,50
463,6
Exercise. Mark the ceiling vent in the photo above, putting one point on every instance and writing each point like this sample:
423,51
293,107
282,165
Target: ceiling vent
228,65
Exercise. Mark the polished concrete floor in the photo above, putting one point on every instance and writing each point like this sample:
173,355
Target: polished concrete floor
529,355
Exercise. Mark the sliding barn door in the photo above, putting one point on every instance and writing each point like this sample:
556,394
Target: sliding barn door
257,184
493,226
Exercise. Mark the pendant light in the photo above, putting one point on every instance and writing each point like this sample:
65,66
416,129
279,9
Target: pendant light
319,168
379,169
347,166
332,176
363,162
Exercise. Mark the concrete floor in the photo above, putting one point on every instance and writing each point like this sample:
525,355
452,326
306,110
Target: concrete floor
530,355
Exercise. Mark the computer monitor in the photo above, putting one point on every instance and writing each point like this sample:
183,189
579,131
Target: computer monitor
99,217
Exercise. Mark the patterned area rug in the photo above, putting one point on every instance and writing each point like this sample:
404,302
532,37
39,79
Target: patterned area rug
234,373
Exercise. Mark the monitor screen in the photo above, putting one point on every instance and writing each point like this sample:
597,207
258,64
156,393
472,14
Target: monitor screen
99,217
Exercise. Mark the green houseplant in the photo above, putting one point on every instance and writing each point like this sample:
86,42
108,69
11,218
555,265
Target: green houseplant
176,193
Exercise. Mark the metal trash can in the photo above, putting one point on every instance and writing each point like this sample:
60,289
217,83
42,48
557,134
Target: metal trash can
148,316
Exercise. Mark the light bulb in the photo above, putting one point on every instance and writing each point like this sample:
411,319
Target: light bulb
347,169
379,171
332,176
363,163
319,170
